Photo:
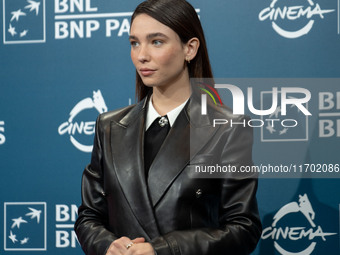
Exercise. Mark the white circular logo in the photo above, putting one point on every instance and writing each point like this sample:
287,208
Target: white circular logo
295,233
71,127
274,13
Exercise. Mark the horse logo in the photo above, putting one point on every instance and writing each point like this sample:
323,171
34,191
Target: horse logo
304,207
89,103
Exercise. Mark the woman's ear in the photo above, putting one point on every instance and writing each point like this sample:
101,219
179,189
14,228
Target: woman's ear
191,48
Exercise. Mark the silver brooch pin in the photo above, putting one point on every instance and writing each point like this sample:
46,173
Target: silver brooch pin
163,121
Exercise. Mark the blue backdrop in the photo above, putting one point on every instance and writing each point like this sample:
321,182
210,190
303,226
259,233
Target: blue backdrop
65,61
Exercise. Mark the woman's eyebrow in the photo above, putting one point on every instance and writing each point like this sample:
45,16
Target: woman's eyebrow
149,36
158,34
132,37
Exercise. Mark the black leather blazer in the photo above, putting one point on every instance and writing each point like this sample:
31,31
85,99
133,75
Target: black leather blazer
176,212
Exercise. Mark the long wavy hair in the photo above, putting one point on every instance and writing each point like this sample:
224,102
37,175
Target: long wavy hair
182,18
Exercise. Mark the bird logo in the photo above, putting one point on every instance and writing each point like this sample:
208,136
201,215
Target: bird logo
24,21
34,214
25,226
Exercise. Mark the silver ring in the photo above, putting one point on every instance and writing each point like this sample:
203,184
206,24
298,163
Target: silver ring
129,245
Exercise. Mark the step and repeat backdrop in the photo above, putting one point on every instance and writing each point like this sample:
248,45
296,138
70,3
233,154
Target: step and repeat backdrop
63,62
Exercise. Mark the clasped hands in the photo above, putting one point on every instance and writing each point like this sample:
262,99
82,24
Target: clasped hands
126,246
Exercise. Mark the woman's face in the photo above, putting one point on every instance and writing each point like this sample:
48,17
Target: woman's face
157,52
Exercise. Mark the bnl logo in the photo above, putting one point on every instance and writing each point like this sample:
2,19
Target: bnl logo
24,21
25,226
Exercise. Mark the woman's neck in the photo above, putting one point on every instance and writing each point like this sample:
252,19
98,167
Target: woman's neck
165,100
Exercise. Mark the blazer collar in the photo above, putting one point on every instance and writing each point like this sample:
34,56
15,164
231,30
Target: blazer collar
138,111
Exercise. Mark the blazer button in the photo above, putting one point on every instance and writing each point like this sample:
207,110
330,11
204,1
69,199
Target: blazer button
199,193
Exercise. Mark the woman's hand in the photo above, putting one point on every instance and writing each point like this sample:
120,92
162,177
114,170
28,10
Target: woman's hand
138,247
119,246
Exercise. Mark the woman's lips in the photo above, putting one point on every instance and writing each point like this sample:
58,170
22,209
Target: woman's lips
147,72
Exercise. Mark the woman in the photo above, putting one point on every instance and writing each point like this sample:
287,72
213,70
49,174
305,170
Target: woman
143,198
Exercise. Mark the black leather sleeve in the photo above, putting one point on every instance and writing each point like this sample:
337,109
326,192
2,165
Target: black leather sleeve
239,223
91,225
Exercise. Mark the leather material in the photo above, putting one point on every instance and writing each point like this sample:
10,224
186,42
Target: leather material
173,210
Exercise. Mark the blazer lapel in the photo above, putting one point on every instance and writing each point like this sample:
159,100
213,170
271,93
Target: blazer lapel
190,132
129,166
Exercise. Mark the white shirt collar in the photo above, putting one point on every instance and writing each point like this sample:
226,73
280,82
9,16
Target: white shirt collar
152,114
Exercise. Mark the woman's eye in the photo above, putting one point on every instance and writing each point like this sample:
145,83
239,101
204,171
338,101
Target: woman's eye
134,43
157,42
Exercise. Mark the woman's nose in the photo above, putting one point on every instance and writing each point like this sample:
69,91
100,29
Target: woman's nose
143,54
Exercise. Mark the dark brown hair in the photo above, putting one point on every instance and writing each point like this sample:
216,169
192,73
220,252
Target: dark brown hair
182,18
